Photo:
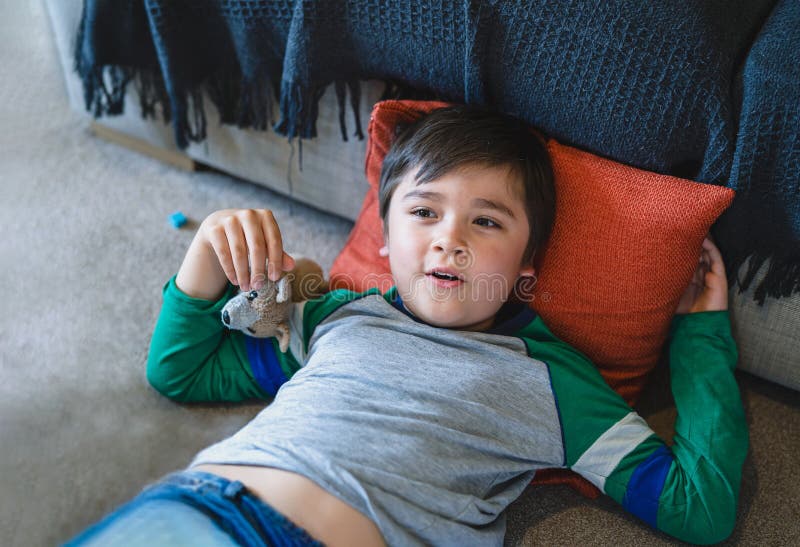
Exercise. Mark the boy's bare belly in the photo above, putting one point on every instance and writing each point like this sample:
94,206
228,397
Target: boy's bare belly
323,515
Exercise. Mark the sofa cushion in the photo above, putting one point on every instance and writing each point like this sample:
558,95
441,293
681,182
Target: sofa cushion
767,335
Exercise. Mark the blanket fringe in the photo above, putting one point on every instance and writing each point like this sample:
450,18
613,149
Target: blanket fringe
152,93
240,101
104,86
299,109
781,279
355,106
341,87
243,103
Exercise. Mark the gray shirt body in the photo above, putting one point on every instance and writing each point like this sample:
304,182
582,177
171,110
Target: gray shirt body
429,432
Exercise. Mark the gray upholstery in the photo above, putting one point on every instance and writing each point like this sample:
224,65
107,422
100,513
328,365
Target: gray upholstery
768,336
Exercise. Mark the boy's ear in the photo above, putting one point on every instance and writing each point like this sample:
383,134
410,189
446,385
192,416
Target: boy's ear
523,287
527,271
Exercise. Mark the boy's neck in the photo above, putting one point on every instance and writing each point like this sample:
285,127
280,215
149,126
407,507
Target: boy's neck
512,316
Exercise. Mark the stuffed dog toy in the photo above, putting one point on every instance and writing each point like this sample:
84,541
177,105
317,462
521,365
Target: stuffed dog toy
265,313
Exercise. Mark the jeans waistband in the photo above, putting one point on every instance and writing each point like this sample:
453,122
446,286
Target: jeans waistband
243,515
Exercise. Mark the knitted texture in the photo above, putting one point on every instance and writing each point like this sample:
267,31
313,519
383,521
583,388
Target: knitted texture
679,88
764,221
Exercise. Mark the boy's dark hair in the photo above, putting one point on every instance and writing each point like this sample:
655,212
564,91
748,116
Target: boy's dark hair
459,136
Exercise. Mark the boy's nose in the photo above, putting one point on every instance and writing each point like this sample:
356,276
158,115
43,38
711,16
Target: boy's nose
453,249
451,245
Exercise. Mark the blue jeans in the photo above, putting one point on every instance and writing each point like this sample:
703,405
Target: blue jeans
194,508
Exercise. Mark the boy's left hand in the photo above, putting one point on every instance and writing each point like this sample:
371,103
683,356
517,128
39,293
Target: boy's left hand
708,289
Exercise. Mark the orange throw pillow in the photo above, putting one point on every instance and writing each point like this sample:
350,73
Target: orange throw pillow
624,246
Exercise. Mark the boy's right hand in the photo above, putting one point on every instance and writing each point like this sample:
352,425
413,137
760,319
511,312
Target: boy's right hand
708,289
236,235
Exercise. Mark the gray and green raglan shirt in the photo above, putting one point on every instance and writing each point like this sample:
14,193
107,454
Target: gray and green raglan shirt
432,432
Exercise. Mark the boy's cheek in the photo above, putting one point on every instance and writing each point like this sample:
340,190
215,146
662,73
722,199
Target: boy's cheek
407,246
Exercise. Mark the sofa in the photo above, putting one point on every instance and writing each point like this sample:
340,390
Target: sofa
327,172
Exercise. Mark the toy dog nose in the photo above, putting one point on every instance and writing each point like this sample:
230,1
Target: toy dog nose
226,318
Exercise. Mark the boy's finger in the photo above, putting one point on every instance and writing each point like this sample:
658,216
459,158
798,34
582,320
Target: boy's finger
288,262
257,249
220,245
717,265
708,245
238,248
272,234
700,274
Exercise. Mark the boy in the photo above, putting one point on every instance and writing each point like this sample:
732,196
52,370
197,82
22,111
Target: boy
416,416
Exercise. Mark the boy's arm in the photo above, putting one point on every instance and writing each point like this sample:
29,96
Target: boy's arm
689,490
193,357
711,437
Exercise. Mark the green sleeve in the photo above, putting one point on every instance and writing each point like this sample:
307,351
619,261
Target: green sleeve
711,437
193,357
689,490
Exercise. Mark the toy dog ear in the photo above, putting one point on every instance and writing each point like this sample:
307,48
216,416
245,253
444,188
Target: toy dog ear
283,290
283,336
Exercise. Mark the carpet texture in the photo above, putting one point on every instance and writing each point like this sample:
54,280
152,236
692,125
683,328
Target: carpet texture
86,248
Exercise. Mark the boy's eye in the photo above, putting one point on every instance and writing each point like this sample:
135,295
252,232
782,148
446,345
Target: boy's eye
483,221
422,212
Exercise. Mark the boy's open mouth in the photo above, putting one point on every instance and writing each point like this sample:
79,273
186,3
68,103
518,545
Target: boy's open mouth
445,277
445,273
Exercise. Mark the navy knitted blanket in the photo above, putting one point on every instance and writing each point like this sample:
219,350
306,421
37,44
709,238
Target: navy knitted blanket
703,89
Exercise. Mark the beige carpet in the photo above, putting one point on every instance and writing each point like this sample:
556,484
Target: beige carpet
85,250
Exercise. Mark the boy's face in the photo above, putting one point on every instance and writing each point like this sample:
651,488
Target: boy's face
470,223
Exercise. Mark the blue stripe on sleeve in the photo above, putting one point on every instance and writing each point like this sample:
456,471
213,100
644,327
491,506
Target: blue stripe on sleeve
645,486
264,363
